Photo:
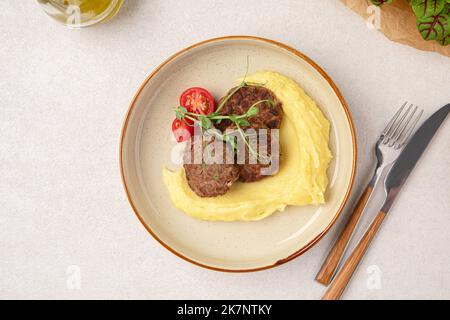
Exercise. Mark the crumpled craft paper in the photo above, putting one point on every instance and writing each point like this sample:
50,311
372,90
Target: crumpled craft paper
398,23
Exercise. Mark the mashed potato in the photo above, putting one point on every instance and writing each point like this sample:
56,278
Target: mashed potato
301,180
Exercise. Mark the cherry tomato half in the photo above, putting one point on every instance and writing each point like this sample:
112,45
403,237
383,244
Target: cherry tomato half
198,100
181,130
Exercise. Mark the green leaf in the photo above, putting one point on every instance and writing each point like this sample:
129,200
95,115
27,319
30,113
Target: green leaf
445,41
180,112
243,123
447,9
434,27
427,8
206,122
380,2
253,111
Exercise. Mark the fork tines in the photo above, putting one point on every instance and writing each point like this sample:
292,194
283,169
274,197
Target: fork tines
399,129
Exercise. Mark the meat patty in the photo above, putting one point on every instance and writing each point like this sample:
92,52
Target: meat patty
209,180
269,116
253,172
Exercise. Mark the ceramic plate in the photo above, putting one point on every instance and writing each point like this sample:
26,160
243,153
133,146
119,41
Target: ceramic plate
147,143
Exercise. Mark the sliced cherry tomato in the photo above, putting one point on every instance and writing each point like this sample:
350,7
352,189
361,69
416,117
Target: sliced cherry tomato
181,130
198,100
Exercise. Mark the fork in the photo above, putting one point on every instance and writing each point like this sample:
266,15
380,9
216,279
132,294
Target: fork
387,149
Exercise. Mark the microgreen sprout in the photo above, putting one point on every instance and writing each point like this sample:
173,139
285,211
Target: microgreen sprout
239,121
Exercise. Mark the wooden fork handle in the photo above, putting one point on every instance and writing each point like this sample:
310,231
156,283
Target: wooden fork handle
339,284
330,265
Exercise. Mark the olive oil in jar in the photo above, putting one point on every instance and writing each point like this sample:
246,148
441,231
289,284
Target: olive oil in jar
81,13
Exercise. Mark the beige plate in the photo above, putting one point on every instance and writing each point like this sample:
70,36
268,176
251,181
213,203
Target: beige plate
147,142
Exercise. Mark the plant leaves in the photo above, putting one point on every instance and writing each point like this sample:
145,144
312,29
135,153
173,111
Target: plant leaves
445,41
206,122
253,111
427,8
243,123
180,112
433,18
447,9
380,2
232,118
434,27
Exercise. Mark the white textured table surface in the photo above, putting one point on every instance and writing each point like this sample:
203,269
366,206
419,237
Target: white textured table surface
63,97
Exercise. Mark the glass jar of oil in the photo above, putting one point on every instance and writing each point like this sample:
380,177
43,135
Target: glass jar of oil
81,13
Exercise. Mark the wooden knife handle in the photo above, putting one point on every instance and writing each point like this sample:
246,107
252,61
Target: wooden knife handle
339,284
330,265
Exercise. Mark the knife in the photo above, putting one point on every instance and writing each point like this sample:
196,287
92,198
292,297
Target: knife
393,183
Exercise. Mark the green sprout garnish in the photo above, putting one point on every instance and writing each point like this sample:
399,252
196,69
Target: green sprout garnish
207,122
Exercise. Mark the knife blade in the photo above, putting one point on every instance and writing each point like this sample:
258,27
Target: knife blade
400,171
393,183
